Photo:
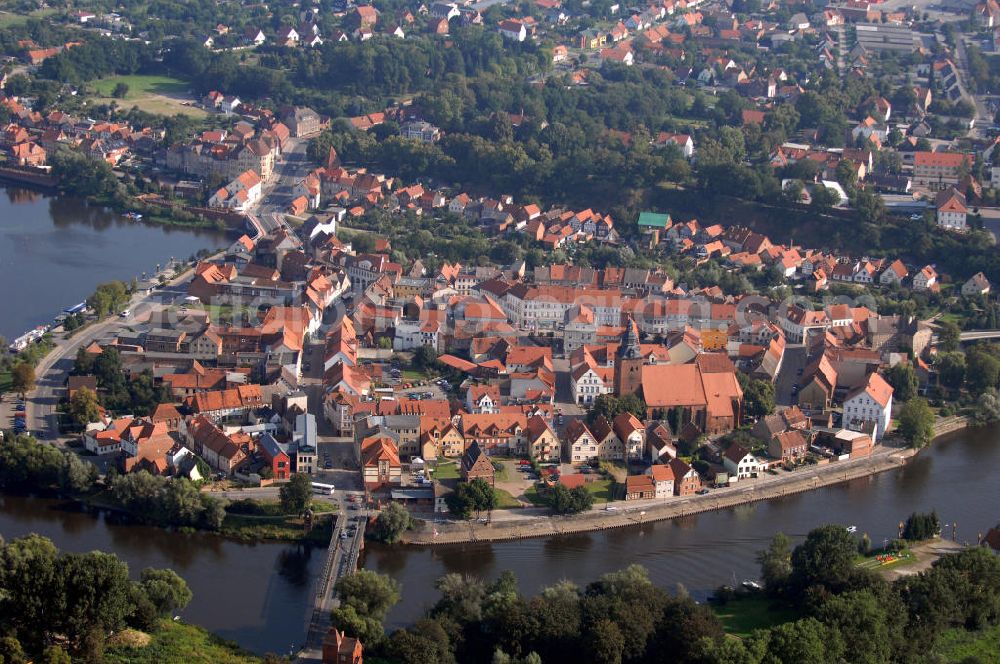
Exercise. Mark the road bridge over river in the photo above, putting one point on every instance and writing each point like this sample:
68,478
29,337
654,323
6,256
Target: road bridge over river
979,335
342,556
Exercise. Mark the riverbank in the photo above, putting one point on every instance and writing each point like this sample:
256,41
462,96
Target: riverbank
512,525
245,528
175,642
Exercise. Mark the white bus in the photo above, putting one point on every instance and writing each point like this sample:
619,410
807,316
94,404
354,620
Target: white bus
323,489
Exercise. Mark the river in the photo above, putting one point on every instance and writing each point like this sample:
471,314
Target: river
957,477
259,595
55,250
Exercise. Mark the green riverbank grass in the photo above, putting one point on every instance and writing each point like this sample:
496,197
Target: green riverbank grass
959,645
178,642
742,615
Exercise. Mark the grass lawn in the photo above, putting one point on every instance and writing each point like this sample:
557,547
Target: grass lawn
532,496
220,312
905,557
177,642
5,382
956,645
287,528
8,20
741,616
500,474
505,500
409,376
600,489
153,94
446,471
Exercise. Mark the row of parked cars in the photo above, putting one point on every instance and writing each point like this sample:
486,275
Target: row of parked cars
20,418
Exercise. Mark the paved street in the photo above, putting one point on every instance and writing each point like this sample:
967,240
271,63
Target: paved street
791,371
52,372
277,194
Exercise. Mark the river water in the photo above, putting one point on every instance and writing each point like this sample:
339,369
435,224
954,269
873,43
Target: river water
55,250
957,477
259,595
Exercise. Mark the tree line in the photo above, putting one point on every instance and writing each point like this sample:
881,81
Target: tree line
56,605
844,614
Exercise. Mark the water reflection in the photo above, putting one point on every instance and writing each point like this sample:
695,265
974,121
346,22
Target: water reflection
956,477
258,595
22,196
293,565
62,247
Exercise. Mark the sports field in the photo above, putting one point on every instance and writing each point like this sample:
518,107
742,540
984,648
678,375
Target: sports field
154,94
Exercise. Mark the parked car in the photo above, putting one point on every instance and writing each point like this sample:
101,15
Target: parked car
701,492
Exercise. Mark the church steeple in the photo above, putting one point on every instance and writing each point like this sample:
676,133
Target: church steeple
628,361
628,344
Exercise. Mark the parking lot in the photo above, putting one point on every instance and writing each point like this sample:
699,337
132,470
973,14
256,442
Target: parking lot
13,414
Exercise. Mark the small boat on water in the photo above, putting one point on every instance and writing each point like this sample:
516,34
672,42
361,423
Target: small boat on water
133,216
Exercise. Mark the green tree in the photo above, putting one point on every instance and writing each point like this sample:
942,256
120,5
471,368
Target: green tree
569,501
296,495
951,369
949,335
921,526
988,407
982,371
776,564
825,558
84,407
758,398
56,655
605,642
365,599
120,91
391,523
475,496
77,474
904,382
424,358
167,591
806,640
425,643
97,591
22,378
916,422
32,597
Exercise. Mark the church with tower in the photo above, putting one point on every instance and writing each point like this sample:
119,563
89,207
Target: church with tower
628,361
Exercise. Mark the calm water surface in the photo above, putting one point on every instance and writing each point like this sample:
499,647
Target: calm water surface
259,595
55,250
956,477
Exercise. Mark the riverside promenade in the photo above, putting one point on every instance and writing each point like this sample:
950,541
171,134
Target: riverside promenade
539,522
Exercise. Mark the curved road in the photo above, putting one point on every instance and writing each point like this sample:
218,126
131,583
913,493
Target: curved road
53,370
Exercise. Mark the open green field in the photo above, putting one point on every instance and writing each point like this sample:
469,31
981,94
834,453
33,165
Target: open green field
741,616
162,95
8,19
446,471
177,642
959,645
505,500
600,489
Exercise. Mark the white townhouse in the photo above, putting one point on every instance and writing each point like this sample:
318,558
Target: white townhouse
870,404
